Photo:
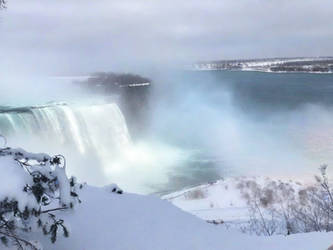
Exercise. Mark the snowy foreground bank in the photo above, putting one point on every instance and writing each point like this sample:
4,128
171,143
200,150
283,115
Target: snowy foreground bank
37,198
106,220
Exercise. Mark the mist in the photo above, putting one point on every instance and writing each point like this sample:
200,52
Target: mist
244,135
202,126
29,90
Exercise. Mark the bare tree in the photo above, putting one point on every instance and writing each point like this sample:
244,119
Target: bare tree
277,208
2,4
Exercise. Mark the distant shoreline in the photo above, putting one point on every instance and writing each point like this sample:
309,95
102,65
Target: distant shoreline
316,65
262,71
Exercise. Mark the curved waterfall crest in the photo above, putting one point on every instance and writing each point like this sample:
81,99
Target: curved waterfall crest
80,125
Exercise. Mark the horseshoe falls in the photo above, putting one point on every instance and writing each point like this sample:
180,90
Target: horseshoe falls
95,142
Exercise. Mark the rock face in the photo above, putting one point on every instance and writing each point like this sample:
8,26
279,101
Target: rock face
134,102
132,91
282,65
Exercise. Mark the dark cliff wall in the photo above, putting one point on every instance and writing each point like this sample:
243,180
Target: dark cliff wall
133,96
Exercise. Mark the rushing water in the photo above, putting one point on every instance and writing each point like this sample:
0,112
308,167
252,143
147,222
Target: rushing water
205,125
95,141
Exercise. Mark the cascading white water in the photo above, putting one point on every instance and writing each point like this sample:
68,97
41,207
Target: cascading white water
83,126
95,141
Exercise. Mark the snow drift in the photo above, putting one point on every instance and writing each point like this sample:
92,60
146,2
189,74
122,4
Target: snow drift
107,220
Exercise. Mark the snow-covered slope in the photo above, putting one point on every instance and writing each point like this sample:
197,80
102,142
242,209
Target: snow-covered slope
223,200
220,200
105,221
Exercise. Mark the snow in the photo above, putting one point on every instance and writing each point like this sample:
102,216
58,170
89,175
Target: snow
65,197
12,183
136,85
113,188
107,220
223,199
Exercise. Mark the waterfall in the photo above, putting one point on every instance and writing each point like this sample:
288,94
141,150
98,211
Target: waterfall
68,124
95,142
80,132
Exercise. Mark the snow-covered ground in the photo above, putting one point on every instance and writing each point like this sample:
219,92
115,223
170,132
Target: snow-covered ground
221,200
230,202
110,219
106,220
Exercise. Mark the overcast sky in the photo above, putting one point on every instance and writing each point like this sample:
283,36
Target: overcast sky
77,36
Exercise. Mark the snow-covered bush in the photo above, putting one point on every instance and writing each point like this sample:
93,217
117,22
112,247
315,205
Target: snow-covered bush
32,188
113,188
280,208
195,194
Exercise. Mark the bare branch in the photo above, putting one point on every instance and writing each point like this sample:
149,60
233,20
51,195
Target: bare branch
54,209
19,240
2,4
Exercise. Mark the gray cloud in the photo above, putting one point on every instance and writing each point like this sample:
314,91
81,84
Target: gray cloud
76,36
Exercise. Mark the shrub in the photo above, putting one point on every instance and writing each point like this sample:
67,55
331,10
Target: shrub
32,188
277,208
195,194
